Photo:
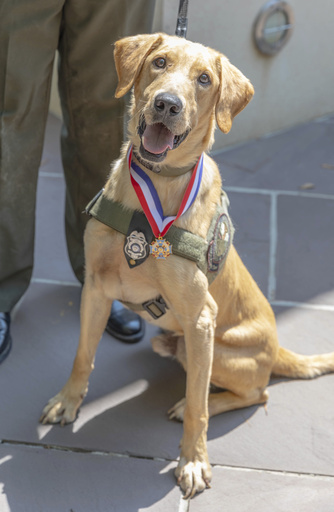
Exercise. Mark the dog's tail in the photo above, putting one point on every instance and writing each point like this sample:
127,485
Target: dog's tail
289,364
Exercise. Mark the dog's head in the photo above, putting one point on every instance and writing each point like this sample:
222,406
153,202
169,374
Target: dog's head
180,89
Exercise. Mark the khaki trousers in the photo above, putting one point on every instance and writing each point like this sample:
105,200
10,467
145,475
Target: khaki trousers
30,34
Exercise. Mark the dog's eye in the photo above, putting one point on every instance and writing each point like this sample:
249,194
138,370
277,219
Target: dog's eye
204,79
160,62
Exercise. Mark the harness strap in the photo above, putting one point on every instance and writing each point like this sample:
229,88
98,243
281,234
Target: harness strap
113,214
208,254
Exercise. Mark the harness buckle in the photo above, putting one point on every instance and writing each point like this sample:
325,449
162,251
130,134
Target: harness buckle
155,307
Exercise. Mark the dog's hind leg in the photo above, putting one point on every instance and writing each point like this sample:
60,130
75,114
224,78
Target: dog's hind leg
223,401
94,311
227,401
244,378
165,344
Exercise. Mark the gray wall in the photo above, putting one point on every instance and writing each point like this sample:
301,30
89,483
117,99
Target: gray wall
294,86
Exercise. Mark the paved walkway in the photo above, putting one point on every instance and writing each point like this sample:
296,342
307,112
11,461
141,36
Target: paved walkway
121,452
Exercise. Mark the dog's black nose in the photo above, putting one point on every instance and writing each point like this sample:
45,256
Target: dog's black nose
167,104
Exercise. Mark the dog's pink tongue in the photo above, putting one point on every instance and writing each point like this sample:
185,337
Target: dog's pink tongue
157,138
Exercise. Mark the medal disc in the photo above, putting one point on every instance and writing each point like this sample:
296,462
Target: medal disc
160,248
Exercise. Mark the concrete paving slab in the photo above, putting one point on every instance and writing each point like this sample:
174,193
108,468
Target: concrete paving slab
51,158
130,392
305,249
295,433
250,214
36,479
304,330
132,388
260,491
285,161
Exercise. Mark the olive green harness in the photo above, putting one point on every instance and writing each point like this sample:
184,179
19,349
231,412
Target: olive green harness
209,254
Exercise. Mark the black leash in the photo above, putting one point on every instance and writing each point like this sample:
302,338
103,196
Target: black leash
182,20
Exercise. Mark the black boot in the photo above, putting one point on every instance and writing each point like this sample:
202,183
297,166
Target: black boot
5,339
125,325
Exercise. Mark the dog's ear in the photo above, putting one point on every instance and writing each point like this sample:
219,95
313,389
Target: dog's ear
235,93
130,54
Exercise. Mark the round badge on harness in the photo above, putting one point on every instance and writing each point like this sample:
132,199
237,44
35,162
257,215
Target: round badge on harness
220,244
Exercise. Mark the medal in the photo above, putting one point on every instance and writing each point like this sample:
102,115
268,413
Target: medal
160,248
150,202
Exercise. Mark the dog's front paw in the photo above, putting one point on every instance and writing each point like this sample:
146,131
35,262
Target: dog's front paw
193,477
60,409
177,411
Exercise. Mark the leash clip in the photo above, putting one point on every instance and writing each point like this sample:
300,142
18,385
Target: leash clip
182,20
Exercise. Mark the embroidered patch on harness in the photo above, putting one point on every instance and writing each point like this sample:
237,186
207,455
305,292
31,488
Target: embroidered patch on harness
220,244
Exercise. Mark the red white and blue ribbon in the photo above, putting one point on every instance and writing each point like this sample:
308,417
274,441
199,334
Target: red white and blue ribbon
150,201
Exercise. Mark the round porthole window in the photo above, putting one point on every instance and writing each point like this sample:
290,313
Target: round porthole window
273,27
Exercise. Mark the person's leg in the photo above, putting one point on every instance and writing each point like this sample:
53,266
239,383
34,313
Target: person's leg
93,119
92,133
29,34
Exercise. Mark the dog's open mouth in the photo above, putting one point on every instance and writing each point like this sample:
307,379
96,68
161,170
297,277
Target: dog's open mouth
157,140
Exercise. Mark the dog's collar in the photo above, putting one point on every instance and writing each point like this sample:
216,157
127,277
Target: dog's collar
166,172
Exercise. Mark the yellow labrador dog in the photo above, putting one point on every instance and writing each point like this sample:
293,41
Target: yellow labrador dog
188,279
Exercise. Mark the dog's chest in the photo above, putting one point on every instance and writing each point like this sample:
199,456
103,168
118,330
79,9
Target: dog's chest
122,282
